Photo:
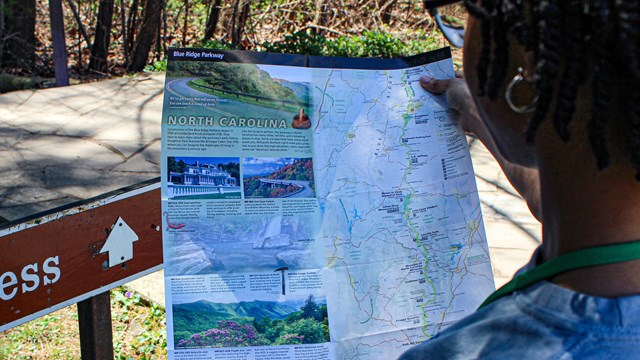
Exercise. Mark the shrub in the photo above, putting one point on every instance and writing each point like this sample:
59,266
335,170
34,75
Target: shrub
12,82
289,339
299,43
369,44
310,331
226,334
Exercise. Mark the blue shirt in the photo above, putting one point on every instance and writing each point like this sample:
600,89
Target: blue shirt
543,321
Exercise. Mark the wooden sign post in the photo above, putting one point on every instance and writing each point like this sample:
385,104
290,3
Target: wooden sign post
77,252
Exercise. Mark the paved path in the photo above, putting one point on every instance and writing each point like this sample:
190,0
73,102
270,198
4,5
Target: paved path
61,145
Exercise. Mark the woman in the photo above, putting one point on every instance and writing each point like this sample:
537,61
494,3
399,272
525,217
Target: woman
566,131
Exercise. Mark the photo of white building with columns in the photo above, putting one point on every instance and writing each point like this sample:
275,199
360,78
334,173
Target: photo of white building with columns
198,177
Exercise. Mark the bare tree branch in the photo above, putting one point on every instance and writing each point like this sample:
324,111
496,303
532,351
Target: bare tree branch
76,15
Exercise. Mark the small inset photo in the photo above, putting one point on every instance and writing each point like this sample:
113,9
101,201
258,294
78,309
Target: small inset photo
301,121
278,177
203,323
200,178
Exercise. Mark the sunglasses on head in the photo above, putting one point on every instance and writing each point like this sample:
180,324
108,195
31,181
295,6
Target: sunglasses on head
453,34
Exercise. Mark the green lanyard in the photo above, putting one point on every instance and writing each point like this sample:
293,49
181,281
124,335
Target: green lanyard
599,255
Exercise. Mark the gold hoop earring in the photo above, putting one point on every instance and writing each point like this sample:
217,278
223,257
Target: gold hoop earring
509,93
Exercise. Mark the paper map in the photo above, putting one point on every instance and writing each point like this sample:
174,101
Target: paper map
315,208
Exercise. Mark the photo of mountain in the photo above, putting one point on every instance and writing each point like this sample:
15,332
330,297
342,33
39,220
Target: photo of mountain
203,323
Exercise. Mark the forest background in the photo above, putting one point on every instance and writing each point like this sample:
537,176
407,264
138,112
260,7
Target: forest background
102,39
110,38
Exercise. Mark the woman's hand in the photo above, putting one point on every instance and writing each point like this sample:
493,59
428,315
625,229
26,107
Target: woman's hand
459,99
525,180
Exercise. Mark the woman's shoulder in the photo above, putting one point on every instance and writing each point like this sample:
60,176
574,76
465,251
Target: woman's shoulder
541,322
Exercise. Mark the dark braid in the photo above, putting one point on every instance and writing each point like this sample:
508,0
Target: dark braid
634,134
629,28
500,55
507,17
601,83
513,17
485,58
602,34
572,76
476,10
547,66
629,23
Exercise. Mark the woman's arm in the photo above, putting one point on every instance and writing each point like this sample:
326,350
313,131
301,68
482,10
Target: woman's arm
525,180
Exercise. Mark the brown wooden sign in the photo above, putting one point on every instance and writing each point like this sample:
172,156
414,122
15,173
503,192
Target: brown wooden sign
69,254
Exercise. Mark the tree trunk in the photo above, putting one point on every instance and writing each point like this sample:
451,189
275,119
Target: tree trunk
76,15
159,41
100,48
132,23
239,20
244,16
212,21
59,45
123,21
2,15
234,19
146,35
164,29
186,23
17,35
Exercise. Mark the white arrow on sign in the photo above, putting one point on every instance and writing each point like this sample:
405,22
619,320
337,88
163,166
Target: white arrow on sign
120,243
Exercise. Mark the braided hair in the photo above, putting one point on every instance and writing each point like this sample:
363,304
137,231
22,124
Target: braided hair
601,37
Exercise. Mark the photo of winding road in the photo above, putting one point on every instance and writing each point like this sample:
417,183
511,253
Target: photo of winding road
263,93
278,177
